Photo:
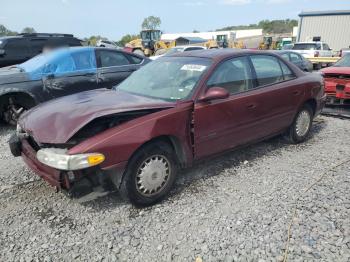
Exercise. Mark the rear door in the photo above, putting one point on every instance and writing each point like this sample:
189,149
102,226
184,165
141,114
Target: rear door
71,73
114,66
278,94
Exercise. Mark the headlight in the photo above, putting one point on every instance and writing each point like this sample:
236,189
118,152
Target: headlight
59,159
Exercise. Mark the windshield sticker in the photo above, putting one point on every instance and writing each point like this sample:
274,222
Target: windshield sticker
199,68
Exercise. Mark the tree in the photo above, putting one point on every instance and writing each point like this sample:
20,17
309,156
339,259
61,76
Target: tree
4,31
151,23
195,31
269,27
126,39
92,40
28,30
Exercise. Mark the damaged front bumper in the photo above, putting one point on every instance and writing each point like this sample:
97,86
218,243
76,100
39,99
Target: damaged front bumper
74,183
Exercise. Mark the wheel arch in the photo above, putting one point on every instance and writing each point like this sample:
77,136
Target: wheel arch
312,103
172,141
29,99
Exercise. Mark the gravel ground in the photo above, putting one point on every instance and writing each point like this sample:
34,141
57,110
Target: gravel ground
236,207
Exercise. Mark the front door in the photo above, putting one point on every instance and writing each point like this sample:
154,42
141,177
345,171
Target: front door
223,124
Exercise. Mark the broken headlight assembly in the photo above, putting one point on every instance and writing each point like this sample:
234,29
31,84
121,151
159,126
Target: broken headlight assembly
59,159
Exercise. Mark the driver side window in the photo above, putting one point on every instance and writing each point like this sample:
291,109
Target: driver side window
61,65
234,75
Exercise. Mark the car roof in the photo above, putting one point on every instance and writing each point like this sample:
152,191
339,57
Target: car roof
187,46
311,42
219,54
279,52
9,37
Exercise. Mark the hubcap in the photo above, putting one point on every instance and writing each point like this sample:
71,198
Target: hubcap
303,123
153,175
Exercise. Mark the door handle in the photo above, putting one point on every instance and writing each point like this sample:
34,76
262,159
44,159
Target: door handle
251,106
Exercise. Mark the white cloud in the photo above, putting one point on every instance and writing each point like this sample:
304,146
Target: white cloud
236,2
65,2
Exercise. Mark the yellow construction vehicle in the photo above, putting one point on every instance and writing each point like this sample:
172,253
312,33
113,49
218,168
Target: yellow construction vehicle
149,44
223,42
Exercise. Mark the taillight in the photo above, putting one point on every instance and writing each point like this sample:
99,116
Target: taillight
316,54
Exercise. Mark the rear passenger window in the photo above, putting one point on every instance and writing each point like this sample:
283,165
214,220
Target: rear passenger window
135,60
287,73
234,75
268,69
111,58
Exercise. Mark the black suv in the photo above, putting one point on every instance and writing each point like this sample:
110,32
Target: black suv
18,49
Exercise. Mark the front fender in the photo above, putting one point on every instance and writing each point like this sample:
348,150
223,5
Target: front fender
119,143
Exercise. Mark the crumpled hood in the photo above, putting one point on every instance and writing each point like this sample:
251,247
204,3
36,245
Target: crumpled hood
11,75
56,121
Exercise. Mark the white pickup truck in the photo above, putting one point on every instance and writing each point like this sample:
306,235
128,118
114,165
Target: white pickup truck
313,49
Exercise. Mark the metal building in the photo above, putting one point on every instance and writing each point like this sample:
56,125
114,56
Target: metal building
332,26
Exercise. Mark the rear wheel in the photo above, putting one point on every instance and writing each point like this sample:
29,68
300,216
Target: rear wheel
300,129
150,174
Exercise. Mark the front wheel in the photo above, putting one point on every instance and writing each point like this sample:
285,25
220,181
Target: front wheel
150,174
300,129
12,111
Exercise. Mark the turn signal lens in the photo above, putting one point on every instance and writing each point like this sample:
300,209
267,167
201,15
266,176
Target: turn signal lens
59,159
96,159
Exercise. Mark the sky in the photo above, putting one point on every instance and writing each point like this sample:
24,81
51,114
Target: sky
114,18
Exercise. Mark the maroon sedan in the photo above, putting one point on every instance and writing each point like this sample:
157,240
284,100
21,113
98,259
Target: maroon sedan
166,116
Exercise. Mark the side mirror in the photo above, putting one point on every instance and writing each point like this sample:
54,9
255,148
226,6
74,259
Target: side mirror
214,93
2,52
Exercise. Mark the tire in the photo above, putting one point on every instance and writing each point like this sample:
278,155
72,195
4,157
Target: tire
12,109
150,174
299,131
139,52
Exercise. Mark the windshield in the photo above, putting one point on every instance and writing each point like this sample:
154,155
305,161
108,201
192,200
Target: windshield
168,78
344,61
306,46
150,35
287,47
